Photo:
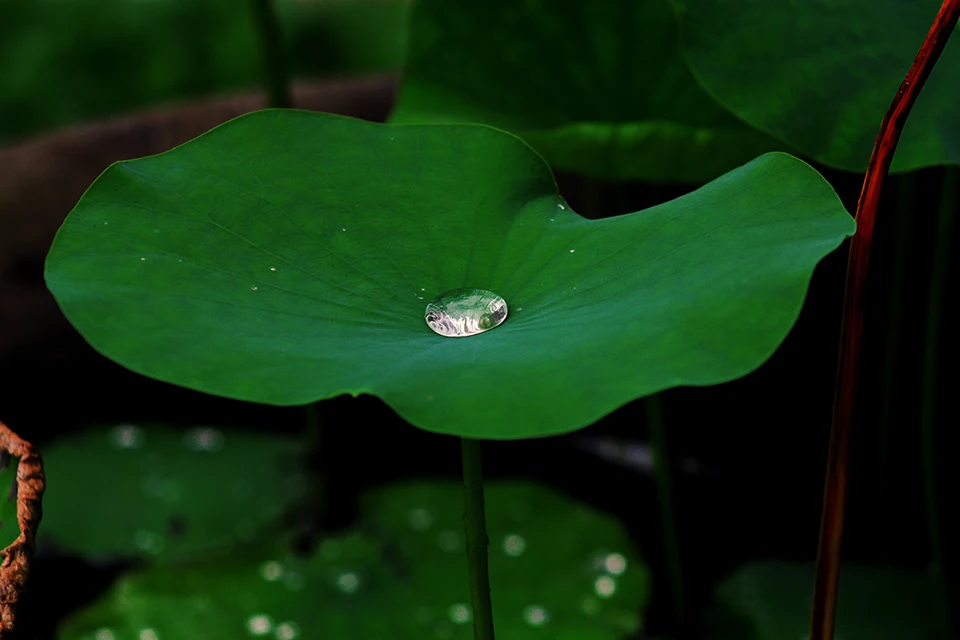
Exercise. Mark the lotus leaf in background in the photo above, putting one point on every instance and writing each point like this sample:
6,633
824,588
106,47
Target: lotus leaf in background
771,601
167,494
558,570
287,257
819,74
599,88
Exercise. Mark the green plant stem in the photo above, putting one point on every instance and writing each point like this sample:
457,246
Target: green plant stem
937,506
476,526
663,474
276,80
827,576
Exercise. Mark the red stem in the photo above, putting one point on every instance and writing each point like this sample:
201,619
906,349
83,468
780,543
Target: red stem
848,363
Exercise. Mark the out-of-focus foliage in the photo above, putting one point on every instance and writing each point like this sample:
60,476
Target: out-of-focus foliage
61,62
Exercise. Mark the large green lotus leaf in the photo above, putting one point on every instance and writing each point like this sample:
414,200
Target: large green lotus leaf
820,74
164,493
9,525
771,601
599,87
558,570
288,256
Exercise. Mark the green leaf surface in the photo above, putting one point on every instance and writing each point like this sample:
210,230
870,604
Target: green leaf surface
288,256
9,525
771,601
164,493
558,570
821,74
599,88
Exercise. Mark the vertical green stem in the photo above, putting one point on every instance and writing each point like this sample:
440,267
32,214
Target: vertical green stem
274,67
663,474
477,542
936,504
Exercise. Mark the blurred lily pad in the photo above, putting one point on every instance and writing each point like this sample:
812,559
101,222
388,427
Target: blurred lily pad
558,570
166,493
821,74
771,601
599,88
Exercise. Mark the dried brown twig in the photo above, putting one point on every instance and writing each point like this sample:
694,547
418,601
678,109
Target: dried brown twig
15,565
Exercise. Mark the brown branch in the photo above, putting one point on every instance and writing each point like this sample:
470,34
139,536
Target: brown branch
15,566
827,578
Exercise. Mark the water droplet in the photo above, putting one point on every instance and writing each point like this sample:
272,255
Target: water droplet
103,634
535,616
344,229
143,259
148,634
449,540
605,586
348,582
273,268
465,312
105,222
420,519
259,624
204,439
514,545
572,250
253,288
271,571
561,206
460,614
127,436
287,631
615,563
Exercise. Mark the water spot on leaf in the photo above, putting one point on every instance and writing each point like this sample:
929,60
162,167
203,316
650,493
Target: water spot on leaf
259,624
514,545
535,616
460,614
465,312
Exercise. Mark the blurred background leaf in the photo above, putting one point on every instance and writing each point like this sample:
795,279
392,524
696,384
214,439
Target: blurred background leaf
559,570
69,61
167,494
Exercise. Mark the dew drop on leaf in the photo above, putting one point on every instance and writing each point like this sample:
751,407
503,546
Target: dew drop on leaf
465,312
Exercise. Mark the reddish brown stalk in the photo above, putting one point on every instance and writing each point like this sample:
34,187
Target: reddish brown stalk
15,565
834,496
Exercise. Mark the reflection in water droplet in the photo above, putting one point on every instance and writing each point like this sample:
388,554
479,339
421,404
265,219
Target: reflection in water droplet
287,631
535,616
420,519
104,634
615,563
465,312
148,542
271,571
259,624
449,540
460,614
148,634
127,436
605,586
348,582
514,545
